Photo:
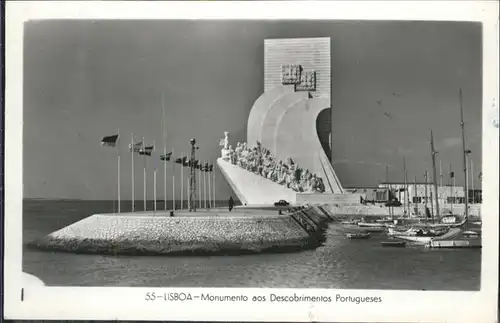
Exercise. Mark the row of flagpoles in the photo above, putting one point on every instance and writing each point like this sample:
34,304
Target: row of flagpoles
141,149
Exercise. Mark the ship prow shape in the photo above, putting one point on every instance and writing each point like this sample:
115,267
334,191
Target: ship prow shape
253,189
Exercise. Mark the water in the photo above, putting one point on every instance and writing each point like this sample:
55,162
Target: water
340,263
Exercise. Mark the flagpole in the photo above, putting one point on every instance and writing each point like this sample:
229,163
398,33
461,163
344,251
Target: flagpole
173,182
165,177
154,180
199,184
144,173
154,193
118,151
133,173
164,148
205,185
189,195
182,180
209,190
213,174
187,180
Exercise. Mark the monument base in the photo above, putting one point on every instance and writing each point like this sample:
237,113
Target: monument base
214,232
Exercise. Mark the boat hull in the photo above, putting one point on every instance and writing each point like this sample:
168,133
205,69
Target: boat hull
357,236
455,244
416,239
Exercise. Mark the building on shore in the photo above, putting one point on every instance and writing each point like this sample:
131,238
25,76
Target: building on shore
416,193
422,193
373,194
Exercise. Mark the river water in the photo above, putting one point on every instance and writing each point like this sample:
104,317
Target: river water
339,263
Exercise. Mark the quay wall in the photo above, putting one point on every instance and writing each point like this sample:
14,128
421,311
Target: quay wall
183,235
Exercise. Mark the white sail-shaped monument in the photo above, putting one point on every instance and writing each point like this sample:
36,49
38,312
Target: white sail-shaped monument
285,120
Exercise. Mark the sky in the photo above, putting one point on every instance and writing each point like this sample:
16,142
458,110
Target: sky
391,83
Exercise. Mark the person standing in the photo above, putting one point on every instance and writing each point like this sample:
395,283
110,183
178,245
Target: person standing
231,203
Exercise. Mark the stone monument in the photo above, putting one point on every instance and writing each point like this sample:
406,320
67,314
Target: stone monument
288,150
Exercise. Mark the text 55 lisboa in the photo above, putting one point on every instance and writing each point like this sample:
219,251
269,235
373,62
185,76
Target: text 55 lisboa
275,298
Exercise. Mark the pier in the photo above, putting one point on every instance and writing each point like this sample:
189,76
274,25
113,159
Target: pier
206,232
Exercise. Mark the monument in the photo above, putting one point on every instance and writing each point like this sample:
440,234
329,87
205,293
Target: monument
288,150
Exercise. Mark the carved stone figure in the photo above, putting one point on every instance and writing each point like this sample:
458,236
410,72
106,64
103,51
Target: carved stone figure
225,144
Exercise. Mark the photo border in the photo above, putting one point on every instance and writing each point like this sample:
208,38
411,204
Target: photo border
128,303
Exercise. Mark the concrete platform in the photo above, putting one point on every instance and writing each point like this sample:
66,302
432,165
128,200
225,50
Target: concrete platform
207,232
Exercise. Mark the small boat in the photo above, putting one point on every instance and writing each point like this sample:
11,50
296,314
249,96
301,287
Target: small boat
470,233
359,235
371,225
425,237
349,222
398,231
417,239
374,229
455,244
398,244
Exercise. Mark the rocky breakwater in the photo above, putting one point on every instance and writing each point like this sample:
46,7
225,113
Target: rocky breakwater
211,233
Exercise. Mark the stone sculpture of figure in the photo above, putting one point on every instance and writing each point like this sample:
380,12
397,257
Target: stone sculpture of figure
232,155
282,175
260,170
298,172
225,146
288,180
315,183
308,183
238,151
321,185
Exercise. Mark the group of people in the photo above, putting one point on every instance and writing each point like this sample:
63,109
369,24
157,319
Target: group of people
259,160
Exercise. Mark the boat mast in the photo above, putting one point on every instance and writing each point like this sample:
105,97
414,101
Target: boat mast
426,193
390,192
464,154
434,177
405,188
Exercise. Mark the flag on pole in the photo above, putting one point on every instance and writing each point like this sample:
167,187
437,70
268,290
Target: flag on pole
135,148
181,160
166,157
452,174
146,151
110,141
468,151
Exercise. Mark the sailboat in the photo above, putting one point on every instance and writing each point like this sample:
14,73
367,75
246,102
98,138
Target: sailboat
425,233
463,238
